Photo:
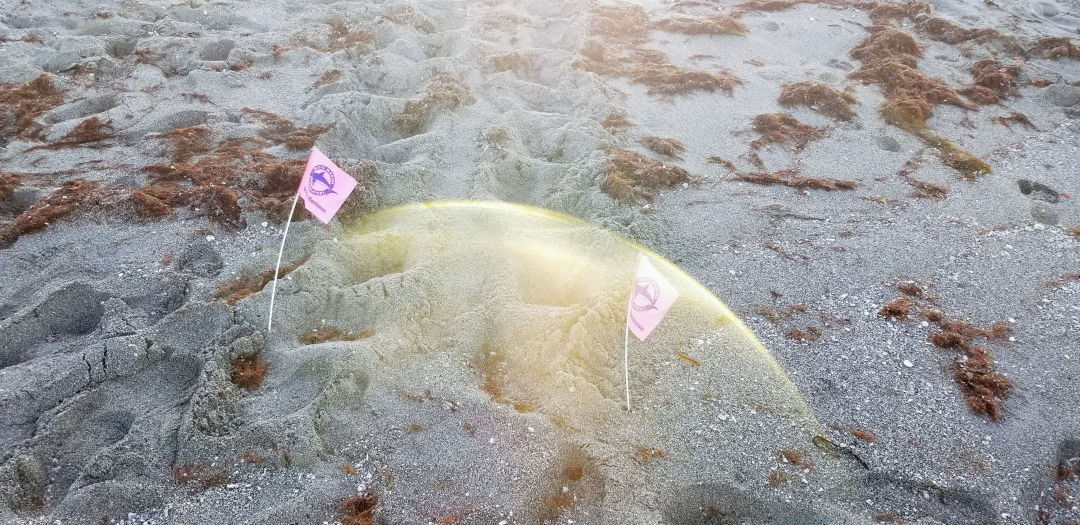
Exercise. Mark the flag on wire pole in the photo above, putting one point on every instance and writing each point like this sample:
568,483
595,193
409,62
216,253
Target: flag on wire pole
324,188
650,299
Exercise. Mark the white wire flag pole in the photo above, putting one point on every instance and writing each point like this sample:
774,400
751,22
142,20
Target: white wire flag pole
626,351
325,187
277,268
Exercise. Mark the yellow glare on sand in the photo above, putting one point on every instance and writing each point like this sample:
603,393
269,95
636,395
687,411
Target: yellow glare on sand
542,298
496,323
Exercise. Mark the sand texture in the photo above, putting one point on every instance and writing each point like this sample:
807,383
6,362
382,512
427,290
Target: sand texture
885,198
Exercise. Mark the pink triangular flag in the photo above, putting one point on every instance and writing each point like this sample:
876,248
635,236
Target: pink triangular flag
650,299
324,186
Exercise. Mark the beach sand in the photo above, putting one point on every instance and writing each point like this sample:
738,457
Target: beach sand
886,194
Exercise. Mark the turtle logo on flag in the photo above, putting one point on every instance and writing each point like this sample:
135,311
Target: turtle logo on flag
321,181
650,299
646,294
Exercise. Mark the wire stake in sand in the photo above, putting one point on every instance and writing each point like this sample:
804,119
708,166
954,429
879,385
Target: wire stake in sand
277,268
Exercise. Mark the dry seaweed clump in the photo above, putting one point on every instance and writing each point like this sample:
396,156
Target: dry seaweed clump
444,93
926,190
187,142
713,25
74,197
993,81
513,61
214,180
1015,118
943,30
614,52
341,37
882,13
717,159
667,147
626,24
615,123
819,97
889,59
1056,47
887,43
897,308
791,177
775,5
327,78
220,203
360,509
965,163
88,131
248,372
21,104
632,176
783,128
900,81
984,388
934,28
280,130
246,286
668,79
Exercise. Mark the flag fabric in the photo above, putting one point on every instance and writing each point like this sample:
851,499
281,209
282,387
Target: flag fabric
324,186
650,299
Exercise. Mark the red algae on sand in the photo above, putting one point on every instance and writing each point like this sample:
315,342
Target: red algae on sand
614,51
897,308
668,147
359,509
21,104
1056,47
282,131
889,58
819,97
615,123
248,372
244,287
984,388
697,25
73,198
444,93
632,176
214,179
791,177
783,128
993,81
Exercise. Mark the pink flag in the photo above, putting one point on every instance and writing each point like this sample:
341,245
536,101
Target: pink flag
650,299
324,187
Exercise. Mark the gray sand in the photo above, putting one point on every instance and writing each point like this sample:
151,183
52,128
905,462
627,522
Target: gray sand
116,399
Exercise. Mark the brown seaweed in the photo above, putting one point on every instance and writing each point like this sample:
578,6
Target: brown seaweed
819,97
21,104
782,128
632,176
668,147
791,177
